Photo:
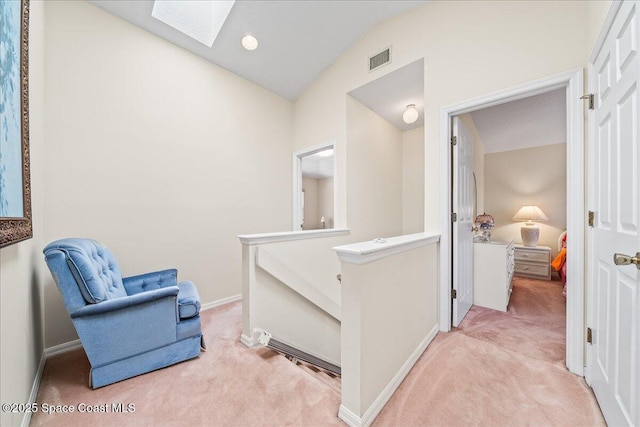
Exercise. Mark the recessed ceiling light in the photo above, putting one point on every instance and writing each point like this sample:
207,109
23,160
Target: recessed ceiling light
200,20
249,42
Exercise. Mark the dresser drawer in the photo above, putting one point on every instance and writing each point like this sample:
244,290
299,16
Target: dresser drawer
530,255
541,270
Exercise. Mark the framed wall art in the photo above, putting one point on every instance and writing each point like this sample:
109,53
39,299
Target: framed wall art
15,184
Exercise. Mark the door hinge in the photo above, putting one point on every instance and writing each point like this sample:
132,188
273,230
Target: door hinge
589,336
454,294
454,217
454,140
590,97
592,216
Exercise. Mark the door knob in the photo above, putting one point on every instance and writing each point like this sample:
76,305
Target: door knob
622,259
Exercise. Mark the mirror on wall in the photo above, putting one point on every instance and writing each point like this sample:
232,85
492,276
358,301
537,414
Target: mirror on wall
314,192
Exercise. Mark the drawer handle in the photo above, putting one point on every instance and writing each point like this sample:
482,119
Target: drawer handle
525,255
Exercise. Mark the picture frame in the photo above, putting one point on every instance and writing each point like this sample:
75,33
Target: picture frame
15,182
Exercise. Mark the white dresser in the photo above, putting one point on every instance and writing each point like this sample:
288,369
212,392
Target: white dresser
533,261
493,264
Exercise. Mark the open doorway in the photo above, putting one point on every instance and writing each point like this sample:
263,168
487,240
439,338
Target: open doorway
517,199
571,84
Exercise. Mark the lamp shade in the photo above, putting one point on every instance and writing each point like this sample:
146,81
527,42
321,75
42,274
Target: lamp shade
410,114
529,232
530,214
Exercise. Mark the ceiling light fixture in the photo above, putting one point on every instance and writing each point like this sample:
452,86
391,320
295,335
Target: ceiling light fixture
410,114
200,20
249,42
325,153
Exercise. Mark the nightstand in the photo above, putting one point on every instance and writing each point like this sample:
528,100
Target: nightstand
533,261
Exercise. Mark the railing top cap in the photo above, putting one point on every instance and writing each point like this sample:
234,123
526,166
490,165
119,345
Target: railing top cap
284,236
371,250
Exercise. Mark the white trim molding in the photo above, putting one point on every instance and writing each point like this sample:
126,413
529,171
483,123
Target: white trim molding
572,81
376,407
248,341
218,303
286,236
26,419
373,250
62,348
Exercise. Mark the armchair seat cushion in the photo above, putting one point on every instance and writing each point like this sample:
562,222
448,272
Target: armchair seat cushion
188,300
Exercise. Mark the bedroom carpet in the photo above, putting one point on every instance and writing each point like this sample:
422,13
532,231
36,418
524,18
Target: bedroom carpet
497,369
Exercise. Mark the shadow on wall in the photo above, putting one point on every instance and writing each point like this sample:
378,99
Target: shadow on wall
531,176
36,309
63,332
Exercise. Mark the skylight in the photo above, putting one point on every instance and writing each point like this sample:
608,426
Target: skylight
200,20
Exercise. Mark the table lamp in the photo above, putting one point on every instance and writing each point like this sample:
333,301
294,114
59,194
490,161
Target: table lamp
529,232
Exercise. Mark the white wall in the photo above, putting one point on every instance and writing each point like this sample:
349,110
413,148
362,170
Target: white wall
318,202
531,176
387,312
413,181
596,13
311,218
21,266
374,174
325,201
496,45
159,154
268,304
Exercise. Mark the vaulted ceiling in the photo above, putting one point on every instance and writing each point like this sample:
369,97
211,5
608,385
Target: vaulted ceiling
530,122
298,40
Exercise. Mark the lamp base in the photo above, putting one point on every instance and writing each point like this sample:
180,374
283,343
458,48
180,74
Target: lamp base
530,235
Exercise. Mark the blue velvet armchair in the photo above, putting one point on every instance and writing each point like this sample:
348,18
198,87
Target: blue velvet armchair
128,326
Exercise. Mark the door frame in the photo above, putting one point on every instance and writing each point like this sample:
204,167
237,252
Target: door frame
572,81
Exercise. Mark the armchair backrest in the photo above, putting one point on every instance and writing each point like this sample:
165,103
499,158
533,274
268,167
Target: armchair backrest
85,271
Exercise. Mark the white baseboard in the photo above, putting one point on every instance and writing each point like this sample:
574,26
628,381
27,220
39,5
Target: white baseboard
220,302
61,348
349,417
248,341
48,352
26,420
354,420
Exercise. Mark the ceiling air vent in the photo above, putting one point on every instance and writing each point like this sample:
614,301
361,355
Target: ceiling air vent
379,59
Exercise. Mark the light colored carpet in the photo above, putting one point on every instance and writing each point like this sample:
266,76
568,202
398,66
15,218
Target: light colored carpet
497,369
228,385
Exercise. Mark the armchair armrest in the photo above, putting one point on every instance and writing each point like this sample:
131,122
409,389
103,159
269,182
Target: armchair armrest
125,302
123,327
150,281
188,300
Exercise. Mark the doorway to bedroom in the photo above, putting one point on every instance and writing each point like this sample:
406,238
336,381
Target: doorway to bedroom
519,213
570,83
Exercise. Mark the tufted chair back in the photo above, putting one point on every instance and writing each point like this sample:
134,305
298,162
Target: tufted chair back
85,271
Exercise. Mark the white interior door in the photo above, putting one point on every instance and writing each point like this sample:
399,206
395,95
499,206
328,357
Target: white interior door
613,367
462,228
